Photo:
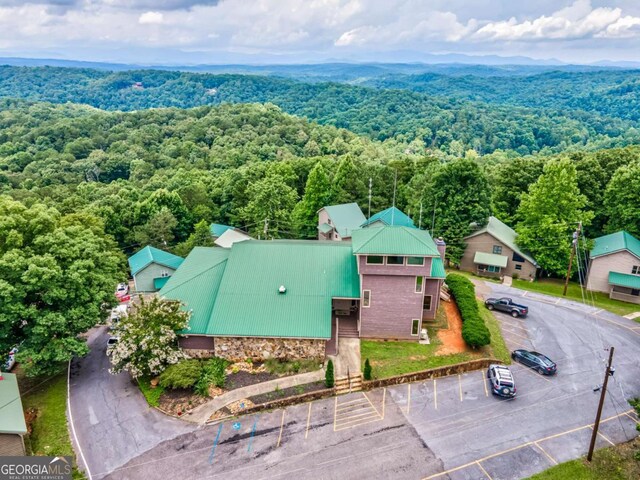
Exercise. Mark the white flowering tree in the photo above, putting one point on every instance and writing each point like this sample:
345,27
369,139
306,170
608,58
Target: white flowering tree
147,339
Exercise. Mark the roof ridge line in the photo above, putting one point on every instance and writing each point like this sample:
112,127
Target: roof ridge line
196,276
371,238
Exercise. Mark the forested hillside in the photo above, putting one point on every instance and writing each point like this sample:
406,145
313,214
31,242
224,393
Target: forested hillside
432,120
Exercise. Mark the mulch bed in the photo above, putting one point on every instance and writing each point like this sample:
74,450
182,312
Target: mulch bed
244,379
288,392
180,400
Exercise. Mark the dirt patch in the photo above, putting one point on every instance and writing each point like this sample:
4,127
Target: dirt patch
180,401
288,392
244,379
451,338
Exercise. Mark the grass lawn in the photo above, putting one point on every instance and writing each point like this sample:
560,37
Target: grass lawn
396,358
49,435
613,463
554,286
152,395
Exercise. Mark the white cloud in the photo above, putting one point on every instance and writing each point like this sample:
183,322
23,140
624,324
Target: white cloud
151,18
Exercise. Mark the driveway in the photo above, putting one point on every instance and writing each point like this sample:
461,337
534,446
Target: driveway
112,420
449,428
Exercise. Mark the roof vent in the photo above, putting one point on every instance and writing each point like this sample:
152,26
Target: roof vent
282,289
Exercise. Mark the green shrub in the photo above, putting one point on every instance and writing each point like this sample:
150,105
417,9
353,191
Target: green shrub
474,331
212,374
367,370
184,374
328,376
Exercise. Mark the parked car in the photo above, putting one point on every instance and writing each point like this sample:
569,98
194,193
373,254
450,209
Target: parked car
112,342
122,289
502,382
507,305
10,362
539,362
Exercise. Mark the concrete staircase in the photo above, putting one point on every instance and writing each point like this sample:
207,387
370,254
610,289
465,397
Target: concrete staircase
348,384
348,330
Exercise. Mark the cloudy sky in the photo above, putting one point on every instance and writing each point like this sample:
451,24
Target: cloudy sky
290,31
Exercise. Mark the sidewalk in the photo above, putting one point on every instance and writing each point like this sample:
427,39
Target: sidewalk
202,413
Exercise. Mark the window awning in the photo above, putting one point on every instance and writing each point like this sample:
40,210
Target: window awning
491,259
159,282
325,227
624,280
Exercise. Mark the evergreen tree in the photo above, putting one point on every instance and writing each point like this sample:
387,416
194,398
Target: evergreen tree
549,214
328,376
316,196
367,370
348,185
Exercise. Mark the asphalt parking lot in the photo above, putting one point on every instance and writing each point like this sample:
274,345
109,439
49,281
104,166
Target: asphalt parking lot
450,427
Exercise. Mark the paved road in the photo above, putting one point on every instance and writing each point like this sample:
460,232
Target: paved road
112,420
451,428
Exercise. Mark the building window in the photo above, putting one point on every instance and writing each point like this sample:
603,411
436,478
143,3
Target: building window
395,260
164,273
329,221
335,236
374,260
497,249
419,281
517,258
635,270
415,327
366,298
426,302
635,292
493,269
518,267
415,260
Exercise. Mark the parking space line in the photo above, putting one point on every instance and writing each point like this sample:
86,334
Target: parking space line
281,428
513,324
365,396
604,436
306,432
253,432
364,413
408,397
363,421
460,386
484,381
553,460
360,406
350,401
215,444
435,394
631,417
484,471
527,369
525,293
516,334
557,301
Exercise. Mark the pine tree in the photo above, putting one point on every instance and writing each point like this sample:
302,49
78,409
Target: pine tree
367,370
328,376
316,196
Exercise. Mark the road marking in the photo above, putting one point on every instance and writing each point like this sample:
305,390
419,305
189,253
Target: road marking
306,432
281,428
528,370
518,447
484,381
525,293
553,460
73,428
484,471
253,431
517,344
408,397
635,420
215,444
350,401
460,386
557,301
365,396
605,437
598,311
435,394
516,334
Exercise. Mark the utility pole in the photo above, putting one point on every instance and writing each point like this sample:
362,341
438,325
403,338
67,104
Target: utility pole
266,227
370,184
420,218
574,245
599,414
395,183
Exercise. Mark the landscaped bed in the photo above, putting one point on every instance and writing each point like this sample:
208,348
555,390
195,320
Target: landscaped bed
288,392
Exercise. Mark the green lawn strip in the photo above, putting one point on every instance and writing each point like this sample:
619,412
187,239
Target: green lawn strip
612,463
472,275
49,435
554,288
499,348
152,395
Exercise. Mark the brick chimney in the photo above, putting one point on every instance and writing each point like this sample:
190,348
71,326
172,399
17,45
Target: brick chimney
442,247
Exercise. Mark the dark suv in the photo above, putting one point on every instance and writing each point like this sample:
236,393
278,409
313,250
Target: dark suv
502,382
539,362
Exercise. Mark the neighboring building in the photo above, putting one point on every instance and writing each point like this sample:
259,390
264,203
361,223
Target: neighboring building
492,251
12,424
152,267
231,236
218,229
337,222
390,216
295,298
614,266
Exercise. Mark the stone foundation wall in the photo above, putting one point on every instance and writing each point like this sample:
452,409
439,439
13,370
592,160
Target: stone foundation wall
241,348
198,353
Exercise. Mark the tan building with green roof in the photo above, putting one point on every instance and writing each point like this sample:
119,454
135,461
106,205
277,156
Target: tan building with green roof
12,424
295,298
614,266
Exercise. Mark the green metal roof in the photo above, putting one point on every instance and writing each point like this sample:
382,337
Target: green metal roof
437,268
196,284
345,218
391,216
490,259
392,240
249,303
218,229
144,257
11,413
616,242
624,280
325,227
504,234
